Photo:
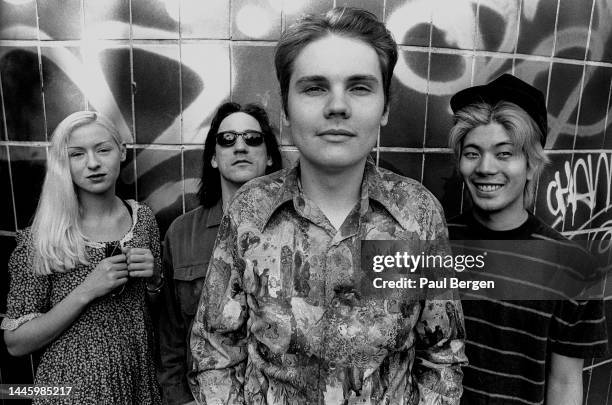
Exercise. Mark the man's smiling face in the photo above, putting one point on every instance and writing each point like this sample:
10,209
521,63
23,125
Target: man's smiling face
494,171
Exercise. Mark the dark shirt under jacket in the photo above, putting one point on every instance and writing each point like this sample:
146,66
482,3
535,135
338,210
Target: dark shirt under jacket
188,246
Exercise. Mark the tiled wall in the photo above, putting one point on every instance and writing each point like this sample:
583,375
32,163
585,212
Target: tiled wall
160,67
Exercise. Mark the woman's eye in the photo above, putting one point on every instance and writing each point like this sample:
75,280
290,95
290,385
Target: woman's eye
470,155
104,150
76,154
504,155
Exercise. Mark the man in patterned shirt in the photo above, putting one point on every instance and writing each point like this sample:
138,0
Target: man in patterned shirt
283,317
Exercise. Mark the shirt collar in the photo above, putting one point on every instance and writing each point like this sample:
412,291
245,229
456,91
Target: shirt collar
373,187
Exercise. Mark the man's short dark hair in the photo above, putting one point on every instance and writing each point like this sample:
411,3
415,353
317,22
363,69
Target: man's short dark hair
343,21
210,182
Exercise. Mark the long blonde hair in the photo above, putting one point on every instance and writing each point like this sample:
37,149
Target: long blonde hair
59,243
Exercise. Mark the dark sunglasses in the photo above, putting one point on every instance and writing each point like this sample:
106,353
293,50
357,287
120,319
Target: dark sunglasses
250,137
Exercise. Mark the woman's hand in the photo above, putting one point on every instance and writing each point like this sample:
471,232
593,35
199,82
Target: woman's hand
109,274
140,263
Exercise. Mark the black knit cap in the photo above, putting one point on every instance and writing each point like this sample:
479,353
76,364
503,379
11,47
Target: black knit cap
507,88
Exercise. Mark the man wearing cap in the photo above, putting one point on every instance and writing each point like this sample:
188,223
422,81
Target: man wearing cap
521,351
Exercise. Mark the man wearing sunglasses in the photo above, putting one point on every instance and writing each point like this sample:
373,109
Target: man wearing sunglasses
240,146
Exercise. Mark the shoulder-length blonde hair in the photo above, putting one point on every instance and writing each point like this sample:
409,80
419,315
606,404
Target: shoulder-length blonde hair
59,244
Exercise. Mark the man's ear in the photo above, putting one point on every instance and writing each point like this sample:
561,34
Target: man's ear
285,119
123,153
269,162
213,162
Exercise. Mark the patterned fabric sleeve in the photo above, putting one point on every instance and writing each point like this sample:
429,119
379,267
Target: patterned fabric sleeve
440,345
28,296
218,336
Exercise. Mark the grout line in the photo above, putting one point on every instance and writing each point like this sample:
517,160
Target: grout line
4,126
389,100
518,27
476,27
11,183
40,75
414,150
567,151
384,11
609,390
8,154
231,76
553,50
412,48
581,95
578,108
199,146
556,29
586,231
377,148
427,93
516,39
584,72
601,363
133,101
180,48
86,105
474,38
590,30
589,373
603,141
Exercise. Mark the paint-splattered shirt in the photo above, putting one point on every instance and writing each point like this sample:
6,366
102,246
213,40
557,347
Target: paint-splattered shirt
281,319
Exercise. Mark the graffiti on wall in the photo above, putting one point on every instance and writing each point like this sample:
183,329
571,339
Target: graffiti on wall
586,182
459,24
129,65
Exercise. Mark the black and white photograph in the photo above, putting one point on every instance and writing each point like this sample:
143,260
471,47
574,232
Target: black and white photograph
306,202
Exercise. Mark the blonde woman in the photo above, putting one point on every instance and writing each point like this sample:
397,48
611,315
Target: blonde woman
79,275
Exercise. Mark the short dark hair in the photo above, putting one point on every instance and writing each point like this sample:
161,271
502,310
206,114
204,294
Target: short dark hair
210,182
344,21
